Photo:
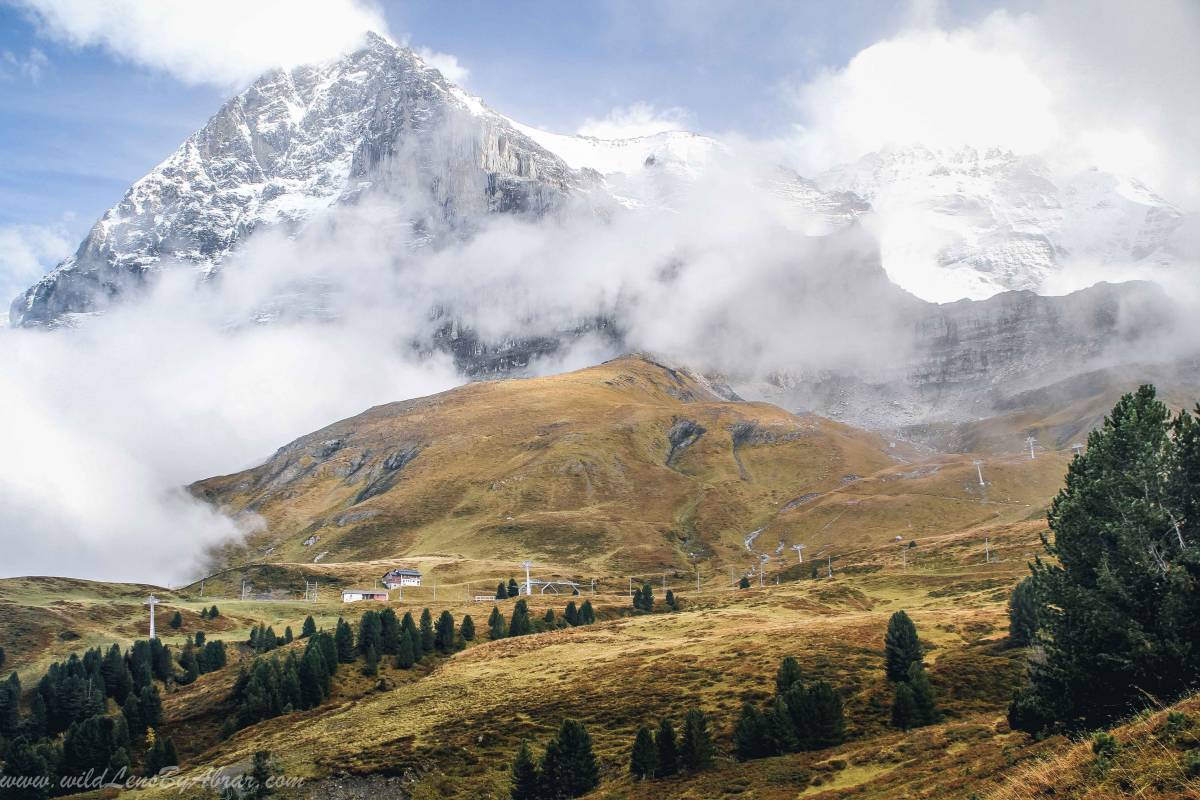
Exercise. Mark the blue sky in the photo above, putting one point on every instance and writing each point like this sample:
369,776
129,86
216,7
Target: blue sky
74,135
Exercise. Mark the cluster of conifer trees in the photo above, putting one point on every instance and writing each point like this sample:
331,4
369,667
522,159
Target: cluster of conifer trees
1114,613
566,769
643,599
913,702
69,730
522,624
801,716
660,754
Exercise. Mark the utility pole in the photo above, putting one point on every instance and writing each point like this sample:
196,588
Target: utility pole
799,555
979,468
202,588
152,602
903,557
593,585
829,564
1031,441
528,584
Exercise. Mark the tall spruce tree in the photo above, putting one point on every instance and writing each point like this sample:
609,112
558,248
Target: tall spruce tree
497,627
667,747
309,628
643,761
1022,614
370,632
904,707
901,647
569,767
520,624
647,597
371,662
406,652
571,614
428,637
389,633
1118,603
407,625
467,629
923,696
525,778
501,592
343,638
750,738
444,633
587,615
513,588
696,749
787,675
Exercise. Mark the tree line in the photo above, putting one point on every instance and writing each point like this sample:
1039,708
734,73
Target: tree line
522,624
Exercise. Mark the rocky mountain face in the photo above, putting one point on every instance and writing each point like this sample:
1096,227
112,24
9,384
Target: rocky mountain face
298,142
971,223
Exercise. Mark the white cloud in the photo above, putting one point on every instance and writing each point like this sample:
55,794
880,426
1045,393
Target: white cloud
1108,84
29,66
639,119
26,253
225,42
446,64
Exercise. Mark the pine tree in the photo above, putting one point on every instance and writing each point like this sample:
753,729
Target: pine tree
406,653
569,767
407,625
314,677
750,734
744,583
371,662
779,731
428,638
309,628
526,780
261,773
135,721
290,690
343,637
520,625
637,599
667,747
548,619
497,628
828,724
328,647
199,639
389,635
587,615
1022,614
571,614
647,597
370,631
672,601
904,707
467,629
151,704
643,762
901,647
501,592
444,633
288,638
204,613
176,620
1118,603
923,697
213,613
788,675
191,667
513,588
696,748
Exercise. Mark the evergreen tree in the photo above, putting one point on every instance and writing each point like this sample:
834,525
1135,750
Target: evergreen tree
191,666
428,637
161,663
309,628
176,620
291,692
370,631
288,638
343,637
328,647
407,625
587,614
667,747
904,707
569,767
199,639
151,705
513,588
923,697
901,647
828,725
371,662
25,760
214,655
643,762
501,592
213,613
3,657
1022,614
647,597
314,677
520,625
467,629
1118,604
389,635
406,652
526,780
204,613
750,734
118,682
672,601
744,583
788,675
571,614
444,633
36,725
497,628
780,733
10,706
261,773
696,748
637,599
548,621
